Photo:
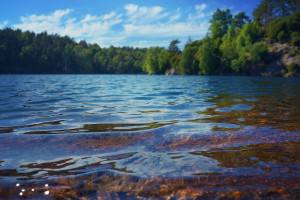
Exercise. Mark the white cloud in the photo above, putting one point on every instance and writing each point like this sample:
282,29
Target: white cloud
54,17
40,23
200,7
173,27
174,30
3,24
89,18
109,16
149,43
133,26
142,15
59,22
199,12
107,41
174,17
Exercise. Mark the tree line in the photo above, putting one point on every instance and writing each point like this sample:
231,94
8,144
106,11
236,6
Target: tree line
27,52
233,45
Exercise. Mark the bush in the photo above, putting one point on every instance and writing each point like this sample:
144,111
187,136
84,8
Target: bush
292,67
294,22
295,39
294,51
275,27
280,29
258,54
281,36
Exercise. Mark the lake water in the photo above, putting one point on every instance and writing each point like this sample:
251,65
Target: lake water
139,136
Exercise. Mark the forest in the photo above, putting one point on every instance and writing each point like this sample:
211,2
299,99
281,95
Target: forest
233,45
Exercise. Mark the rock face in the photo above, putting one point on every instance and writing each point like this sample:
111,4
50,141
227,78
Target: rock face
280,56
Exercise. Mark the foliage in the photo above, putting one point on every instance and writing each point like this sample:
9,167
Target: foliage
163,61
228,49
208,60
220,22
156,61
173,54
186,62
241,50
27,52
258,54
281,36
281,29
292,67
173,47
217,30
263,12
240,20
234,45
295,39
275,28
269,10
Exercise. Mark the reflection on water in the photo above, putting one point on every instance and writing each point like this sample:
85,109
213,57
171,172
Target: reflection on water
267,111
118,137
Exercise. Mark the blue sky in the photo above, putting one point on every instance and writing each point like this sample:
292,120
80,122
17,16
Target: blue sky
137,23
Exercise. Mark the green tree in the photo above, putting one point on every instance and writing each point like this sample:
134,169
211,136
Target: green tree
228,49
220,22
217,30
275,27
208,60
281,29
258,54
281,8
69,59
295,39
240,19
27,52
151,65
173,47
186,62
264,12
2,58
174,52
163,61
85,60
269,10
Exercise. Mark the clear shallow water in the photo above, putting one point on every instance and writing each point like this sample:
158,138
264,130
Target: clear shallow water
136,136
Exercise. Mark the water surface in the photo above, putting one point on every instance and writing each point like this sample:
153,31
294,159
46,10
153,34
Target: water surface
139,136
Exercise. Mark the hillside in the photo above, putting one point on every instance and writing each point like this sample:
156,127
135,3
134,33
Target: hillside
284,60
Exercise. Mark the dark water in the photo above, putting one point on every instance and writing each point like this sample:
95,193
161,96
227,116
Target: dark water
161,137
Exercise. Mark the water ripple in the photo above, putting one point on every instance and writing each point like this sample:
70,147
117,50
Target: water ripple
136,136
